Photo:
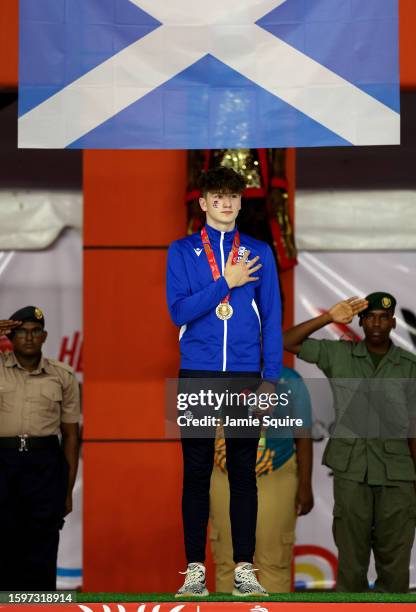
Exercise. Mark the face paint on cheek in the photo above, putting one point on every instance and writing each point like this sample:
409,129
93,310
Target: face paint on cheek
215,204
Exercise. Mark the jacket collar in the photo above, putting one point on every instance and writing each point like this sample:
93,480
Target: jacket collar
215,235
11,362
361,350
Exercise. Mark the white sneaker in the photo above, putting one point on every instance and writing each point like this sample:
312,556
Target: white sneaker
246,583
194,585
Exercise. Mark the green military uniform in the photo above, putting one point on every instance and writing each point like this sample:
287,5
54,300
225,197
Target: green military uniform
375,500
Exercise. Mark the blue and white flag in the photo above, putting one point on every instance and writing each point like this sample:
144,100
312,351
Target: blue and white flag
185,74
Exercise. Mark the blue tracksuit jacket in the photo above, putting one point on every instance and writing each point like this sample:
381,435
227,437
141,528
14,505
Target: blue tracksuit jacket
251,341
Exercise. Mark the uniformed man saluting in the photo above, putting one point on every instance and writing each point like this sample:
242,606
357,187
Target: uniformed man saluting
374,473
39,399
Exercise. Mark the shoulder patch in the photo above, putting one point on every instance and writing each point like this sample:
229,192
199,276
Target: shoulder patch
61,364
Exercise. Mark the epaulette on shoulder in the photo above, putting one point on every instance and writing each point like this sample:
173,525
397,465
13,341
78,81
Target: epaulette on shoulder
61,364
407,355
5,355
349,343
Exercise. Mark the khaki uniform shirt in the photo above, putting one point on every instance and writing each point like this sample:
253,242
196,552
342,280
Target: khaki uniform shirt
375,460
36,403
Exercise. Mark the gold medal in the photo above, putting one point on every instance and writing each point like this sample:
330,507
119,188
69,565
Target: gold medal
224,311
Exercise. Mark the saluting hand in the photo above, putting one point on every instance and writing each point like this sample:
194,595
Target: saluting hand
7,326
345,311
241,273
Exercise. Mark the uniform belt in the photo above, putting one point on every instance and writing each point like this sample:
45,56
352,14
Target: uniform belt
26,443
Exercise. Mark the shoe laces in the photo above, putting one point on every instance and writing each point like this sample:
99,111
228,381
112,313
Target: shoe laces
247,573
193,573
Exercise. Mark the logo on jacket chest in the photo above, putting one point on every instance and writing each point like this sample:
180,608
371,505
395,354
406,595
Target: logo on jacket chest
241,251
240,255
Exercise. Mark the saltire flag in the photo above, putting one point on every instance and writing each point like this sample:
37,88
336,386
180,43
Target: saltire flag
184,74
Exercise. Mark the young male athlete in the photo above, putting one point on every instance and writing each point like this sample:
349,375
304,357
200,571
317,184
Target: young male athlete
223,293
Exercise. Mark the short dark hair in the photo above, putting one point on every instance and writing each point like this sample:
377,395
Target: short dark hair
221,179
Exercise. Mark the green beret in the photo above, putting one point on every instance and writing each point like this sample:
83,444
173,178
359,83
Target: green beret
380,300
29,314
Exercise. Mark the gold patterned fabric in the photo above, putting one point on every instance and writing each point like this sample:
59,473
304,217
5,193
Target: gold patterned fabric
244,161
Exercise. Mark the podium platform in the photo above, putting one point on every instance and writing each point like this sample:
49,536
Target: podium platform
246,606
221,602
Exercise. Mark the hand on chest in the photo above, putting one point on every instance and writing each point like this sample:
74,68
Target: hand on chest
202,272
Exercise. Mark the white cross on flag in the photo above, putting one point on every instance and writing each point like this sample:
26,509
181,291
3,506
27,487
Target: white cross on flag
185,74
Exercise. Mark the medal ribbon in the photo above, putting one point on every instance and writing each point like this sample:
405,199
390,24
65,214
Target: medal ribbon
211,257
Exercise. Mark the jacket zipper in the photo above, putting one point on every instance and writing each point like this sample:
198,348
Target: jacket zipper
224,345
